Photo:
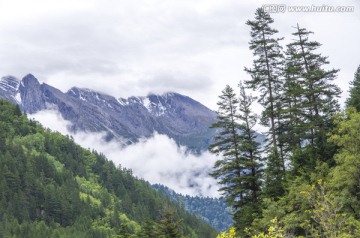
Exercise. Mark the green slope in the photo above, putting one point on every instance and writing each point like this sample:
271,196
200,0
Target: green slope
211,210
51,187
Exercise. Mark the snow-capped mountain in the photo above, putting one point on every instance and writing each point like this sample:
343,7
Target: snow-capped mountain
180,117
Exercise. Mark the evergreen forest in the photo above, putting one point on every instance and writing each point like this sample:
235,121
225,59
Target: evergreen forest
304,180
211,210
51,187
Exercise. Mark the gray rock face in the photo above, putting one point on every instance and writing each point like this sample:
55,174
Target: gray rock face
32,98
8,89
180,117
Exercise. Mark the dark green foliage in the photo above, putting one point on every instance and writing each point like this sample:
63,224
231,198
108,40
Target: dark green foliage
312,100
266,76
311,182
169,226
211,210
227,144
227,141
346,175
239,170
149,230
267,66
292,99
354,97
51,187
251,161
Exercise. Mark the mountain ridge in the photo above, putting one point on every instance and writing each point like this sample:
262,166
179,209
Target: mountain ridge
177,116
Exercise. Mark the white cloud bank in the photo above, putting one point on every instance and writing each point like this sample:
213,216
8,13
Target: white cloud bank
157,159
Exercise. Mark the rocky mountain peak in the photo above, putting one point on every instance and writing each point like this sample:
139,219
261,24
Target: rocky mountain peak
177,116
31,96
30,81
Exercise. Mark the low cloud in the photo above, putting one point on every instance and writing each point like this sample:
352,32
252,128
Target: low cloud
157,159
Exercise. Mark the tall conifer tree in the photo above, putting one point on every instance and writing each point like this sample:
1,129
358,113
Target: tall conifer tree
266,69
227,144
292,100
251,160
266,76
239,171
315,94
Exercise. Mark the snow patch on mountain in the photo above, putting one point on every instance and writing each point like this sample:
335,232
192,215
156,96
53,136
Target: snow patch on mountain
10,84
147,104
155,108
82,97
18,97
122,101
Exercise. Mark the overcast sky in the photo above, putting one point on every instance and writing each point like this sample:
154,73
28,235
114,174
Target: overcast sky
135,47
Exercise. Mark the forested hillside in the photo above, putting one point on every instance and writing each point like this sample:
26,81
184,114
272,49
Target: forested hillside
51,187
212,210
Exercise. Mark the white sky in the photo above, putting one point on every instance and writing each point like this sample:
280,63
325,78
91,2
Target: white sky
134,47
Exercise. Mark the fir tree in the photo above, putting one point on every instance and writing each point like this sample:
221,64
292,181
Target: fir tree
251,160
169,226
354,97
293,117
316,96
239,171
266,76
149,230
227,144
293,102
266,69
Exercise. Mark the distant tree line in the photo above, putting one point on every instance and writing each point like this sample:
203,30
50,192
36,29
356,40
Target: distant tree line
212,210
